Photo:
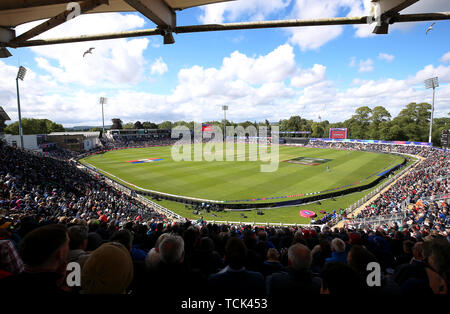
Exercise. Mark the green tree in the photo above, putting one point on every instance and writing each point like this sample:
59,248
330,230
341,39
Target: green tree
149,125
129,125
414,121
359,123
189,125
294,123
245,124
396,133
379,118
439,124
138,125
34,126
317,130
166,125
380,114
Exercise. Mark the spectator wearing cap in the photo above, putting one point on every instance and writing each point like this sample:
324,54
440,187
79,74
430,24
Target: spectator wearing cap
234,279
44,253
108,270
338,252
298,279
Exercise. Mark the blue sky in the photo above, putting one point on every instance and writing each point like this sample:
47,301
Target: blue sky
261,74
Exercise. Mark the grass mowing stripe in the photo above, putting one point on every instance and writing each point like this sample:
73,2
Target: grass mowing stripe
240,180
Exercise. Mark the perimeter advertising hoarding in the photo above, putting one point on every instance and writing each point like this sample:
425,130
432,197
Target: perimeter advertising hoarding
372,141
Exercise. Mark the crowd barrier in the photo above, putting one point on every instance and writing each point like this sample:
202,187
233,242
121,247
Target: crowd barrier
376,221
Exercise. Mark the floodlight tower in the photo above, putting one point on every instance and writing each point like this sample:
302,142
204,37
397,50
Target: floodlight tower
20,75
224,108
431,83
102,102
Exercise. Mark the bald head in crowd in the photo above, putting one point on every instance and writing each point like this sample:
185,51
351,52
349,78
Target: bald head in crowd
299,257
171,249
337,245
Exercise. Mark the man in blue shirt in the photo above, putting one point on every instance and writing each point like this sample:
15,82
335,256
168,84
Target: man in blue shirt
339,253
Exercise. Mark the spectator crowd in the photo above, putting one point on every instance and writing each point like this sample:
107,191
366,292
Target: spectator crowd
52,214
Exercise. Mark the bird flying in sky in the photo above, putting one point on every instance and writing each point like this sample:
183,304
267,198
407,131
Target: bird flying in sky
88,51
429,28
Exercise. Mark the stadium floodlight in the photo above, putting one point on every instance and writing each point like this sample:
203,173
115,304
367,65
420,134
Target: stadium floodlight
431,83
224,108
103,101
20,75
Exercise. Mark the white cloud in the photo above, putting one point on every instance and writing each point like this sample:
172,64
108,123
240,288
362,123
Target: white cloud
446,57
365,65
254,10
309,77
253,86
442,72
310,38
386,57
307,38
275,66
159,67
238,76
111,62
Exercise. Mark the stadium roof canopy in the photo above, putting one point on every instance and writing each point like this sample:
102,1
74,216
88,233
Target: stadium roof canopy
16,12
3,115
163,14
85,134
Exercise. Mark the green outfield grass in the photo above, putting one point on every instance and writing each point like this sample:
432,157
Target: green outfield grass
290,214
242,180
